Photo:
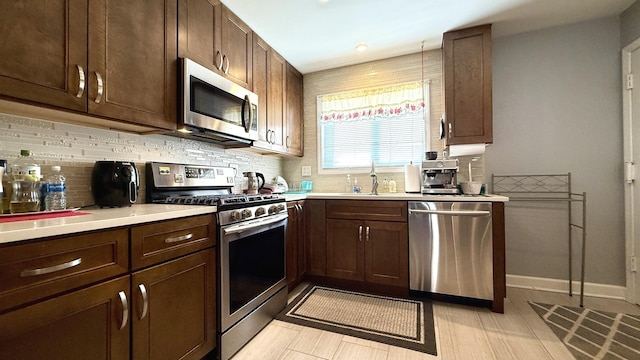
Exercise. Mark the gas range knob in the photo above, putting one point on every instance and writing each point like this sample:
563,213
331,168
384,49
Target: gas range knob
235,215
273,209
246,213
260,211
280,207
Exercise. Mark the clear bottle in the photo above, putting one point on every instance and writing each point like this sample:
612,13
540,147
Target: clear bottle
25,168
392,186
385,185
348,187
356,189
55,198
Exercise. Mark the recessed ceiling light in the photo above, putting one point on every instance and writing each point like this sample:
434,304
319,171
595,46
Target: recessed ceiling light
361,47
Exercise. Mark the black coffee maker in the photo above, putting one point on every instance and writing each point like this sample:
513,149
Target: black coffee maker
114,183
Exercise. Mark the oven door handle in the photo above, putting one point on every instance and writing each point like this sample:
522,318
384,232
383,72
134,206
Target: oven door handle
252,224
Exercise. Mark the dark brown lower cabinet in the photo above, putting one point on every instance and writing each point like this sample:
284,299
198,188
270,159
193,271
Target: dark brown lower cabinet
369,251
85,324
173,308
295,244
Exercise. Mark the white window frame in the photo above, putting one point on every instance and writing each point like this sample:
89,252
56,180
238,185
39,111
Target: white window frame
379,169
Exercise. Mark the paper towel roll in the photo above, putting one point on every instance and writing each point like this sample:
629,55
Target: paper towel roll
412,183
467,149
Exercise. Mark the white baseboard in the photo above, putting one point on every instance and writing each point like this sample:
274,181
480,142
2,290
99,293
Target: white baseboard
562,286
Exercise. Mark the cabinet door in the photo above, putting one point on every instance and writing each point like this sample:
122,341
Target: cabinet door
295,121
467,85
302,259
44,47
86,324
315,239
260,87
235,46
386,253
173,308
132,54
345,249
276,100
197,21
292,244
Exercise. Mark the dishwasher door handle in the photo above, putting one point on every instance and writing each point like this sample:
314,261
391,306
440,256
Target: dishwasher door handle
452,212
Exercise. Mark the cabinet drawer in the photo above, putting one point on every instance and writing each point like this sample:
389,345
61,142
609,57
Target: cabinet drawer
40,269
157,242
367,210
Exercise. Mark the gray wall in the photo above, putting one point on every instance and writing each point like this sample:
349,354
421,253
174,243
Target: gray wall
630,24
557,109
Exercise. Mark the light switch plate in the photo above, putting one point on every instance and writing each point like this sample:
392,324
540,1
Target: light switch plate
306,170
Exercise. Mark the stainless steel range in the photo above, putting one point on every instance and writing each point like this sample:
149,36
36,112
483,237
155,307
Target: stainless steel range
251,284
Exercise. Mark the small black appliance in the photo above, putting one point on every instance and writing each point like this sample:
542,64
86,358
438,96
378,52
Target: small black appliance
114,183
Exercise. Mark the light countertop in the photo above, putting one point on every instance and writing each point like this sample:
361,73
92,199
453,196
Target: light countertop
398,196
97,219
142,213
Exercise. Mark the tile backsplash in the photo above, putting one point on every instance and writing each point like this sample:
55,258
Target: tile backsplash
76,148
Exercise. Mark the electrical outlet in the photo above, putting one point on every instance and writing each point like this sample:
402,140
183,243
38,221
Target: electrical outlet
306,170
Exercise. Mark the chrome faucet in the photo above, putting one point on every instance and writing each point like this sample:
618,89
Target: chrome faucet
374,179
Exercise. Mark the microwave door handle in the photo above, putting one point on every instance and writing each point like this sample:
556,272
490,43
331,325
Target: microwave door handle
247,123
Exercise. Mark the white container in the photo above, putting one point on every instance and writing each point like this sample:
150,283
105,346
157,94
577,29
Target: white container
471,187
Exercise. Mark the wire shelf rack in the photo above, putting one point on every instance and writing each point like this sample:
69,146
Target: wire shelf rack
549,188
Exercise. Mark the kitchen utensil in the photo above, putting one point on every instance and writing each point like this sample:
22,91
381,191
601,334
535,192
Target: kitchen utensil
255,182
114,183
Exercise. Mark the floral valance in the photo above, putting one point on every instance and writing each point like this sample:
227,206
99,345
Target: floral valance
366,104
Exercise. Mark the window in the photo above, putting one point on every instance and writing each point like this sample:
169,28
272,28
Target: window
385,125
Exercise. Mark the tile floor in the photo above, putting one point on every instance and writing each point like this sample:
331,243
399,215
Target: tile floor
462,332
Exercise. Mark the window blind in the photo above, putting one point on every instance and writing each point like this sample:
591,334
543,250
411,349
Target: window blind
386,125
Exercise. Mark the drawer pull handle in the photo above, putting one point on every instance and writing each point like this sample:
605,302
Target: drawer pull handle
125,309
145,300
80,81
360,233
368,229
50,269
178,238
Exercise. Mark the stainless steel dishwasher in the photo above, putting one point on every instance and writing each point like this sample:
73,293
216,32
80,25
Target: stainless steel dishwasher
450,248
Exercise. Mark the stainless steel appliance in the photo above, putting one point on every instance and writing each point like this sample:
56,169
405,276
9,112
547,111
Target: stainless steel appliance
440,176
450,248
114,183
250,246
215,109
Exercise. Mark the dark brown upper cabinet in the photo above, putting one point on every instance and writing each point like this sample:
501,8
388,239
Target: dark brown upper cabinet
111,58
213,36
467,85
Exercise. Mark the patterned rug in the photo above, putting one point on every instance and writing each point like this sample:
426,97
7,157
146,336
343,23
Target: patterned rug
591,334
399,322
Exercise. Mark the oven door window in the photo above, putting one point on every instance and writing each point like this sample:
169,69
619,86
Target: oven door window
256,263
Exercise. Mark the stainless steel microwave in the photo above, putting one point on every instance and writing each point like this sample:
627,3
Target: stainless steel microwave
215,109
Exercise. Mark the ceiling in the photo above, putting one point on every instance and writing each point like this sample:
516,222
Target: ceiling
316,35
